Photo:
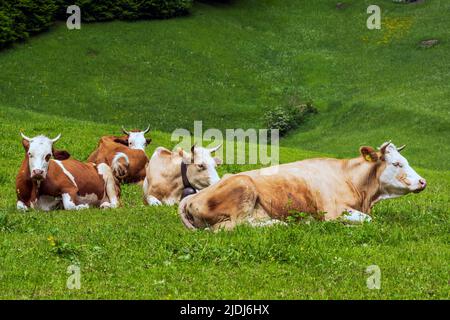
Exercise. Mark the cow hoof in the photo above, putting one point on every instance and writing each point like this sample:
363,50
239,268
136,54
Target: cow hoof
152,201
21,206
355,217
105,205
82,207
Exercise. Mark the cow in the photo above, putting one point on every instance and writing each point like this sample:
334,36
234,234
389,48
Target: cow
49,179
324,188
125,155
173,175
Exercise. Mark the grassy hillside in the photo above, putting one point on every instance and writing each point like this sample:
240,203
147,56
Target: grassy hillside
225,64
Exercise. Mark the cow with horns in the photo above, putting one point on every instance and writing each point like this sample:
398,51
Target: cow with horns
125,154
173,175
323,187
49,180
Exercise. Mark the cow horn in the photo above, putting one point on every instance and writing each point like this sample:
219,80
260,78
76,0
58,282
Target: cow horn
212,150
193,151
401,148
147,130
384,146
57,138
25,137
193,147
125,131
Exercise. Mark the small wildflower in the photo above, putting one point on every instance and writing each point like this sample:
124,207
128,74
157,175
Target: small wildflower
52,241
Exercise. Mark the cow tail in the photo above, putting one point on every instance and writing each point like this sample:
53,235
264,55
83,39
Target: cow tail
119,165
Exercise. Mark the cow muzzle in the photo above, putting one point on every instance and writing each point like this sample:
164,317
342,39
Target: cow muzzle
38,175
422,186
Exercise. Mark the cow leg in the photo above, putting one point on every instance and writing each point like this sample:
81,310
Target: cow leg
223,205
26,194
148,198
110,186
145,186
355,216
142,177
21,206
47,203
68,199
224,225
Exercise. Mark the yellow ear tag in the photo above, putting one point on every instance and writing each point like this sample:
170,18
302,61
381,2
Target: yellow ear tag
368,157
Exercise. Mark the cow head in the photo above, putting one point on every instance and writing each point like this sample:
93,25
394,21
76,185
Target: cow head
397,177
201,166
39,150
135,139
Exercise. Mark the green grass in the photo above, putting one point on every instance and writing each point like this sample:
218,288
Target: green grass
225,64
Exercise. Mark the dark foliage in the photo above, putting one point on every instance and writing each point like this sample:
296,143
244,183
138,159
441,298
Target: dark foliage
21,18
288,117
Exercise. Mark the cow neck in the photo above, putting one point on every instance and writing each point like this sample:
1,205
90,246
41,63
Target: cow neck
367,182
188,189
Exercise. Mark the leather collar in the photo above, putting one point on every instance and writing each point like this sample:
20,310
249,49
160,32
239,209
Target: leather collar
188,189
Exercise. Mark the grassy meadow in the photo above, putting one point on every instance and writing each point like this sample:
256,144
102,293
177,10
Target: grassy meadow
225,64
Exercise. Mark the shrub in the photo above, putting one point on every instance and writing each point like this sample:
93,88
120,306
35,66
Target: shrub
21,18
8,33
36,15
289,117
102,10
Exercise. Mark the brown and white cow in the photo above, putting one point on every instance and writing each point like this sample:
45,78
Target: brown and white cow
172,175
325,188
125,155
49,180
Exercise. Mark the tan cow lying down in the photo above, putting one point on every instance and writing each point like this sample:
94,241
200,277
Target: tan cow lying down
125,155
49,180
171,175
330,186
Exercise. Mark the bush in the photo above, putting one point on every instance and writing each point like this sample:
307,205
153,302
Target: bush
8,32
288,117
21,18
102,10
36,15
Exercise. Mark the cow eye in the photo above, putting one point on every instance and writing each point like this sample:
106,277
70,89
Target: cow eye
397,164
201,166
47,157
30,155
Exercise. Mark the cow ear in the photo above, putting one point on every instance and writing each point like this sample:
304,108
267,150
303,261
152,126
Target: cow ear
369,154
148,141
61,154
186,156
26,144
218,161
121,141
